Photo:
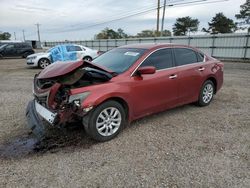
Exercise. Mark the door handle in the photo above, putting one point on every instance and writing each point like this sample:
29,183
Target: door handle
173,76
201,69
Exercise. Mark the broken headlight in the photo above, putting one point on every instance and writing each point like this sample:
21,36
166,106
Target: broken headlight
78,98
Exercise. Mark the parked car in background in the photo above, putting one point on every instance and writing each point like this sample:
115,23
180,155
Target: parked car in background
16,49
65,52
122,85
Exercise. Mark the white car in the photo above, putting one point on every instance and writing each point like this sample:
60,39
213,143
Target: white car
64,52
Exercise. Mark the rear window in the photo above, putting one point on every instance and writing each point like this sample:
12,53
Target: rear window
184,56
73,48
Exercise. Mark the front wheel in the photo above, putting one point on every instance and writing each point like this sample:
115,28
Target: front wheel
106,121
43,63
87,58
206,94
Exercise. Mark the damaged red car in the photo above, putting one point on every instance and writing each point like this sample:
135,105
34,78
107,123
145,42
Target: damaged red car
122,85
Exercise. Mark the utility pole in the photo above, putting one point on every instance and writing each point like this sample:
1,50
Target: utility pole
38,31
23,36
158,16
163,17
15,35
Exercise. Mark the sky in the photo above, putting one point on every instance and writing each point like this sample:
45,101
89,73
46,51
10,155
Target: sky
78,19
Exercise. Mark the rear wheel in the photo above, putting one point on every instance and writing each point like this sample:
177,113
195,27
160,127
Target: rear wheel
206,93
43,63
87,58
106,121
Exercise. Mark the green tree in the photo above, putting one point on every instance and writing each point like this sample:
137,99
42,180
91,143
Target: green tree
152,33
184,25
221,24
121,33
166,33
146,33
244,15
5,36
111,34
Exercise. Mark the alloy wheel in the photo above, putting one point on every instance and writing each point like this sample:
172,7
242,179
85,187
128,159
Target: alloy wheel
108,121
207,93
44,63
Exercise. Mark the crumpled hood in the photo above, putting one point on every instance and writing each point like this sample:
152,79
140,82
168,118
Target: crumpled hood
58,69
62,68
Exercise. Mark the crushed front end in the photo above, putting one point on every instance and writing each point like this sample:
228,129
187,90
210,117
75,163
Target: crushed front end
53,103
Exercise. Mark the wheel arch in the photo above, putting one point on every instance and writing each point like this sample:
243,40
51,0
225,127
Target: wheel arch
87,56
122,102
213,79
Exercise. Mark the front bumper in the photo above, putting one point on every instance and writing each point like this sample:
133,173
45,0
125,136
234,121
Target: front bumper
32,62
36,116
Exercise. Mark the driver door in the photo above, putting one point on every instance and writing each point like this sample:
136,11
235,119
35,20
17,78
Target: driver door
152,93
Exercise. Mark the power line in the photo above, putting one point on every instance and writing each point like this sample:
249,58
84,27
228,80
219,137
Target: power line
38,31
195,2
158,17
23,36
163,17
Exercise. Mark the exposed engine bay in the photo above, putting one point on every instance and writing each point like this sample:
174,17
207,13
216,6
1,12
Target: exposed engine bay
53,92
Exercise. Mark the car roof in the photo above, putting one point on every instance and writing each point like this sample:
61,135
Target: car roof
153,45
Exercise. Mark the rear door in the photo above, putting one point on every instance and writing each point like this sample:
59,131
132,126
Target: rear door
155,92
190,73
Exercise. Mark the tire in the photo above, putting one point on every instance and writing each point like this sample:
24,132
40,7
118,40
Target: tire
43,63
206,94
87,58
109,125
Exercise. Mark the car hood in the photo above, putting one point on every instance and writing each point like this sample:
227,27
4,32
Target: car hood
43,54
62,68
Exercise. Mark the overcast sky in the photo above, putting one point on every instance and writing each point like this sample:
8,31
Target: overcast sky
70,20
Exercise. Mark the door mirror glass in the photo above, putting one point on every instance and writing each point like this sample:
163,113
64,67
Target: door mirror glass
146,70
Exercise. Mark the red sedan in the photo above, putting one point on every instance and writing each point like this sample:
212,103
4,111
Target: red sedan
122,85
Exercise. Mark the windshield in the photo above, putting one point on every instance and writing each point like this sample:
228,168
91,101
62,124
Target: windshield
119,59
2,45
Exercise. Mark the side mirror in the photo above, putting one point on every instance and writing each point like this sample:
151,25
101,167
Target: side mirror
146,70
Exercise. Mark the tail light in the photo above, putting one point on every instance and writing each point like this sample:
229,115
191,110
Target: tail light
220,65
99,52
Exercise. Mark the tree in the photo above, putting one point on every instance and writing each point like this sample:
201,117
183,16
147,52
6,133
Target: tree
111,34
146,33
152,33
121,33
184,25
5,36
221,24
244,15
166,33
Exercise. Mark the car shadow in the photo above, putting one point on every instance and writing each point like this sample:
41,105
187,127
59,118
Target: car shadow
25,145
67,139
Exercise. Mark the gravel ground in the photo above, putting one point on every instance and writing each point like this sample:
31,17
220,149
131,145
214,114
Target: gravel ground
188,146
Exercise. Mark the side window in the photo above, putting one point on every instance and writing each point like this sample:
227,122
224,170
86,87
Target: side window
200,57
73,48
184,56
160,59
70,48
18,45
10,46
78,48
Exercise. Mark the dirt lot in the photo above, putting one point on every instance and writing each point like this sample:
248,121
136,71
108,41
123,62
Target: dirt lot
184,147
